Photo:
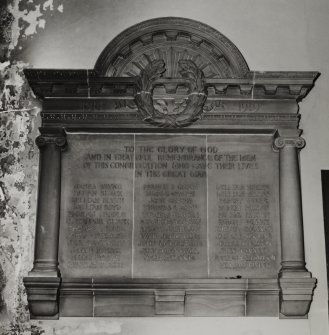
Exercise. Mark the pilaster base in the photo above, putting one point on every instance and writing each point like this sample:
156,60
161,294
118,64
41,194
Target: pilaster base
296,293
42,296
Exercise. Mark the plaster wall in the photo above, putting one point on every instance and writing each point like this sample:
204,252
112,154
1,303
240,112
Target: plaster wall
272,35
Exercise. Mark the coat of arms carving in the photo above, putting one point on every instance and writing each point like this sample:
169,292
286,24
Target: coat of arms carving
182,106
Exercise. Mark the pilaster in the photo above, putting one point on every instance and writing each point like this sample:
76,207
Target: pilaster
296,283
43,280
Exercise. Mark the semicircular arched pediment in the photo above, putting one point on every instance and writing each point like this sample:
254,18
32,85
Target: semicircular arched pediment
171,40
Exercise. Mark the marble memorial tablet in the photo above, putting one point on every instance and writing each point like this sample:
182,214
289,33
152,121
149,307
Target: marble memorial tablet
169,182
169,206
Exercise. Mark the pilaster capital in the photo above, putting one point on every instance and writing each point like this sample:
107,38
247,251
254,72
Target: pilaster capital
51,136
282,142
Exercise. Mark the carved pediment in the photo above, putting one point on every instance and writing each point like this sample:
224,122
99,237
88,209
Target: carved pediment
171,40
217,90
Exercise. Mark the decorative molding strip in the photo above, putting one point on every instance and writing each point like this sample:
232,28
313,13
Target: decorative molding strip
97,116
82,83
132,117
252,117
53,75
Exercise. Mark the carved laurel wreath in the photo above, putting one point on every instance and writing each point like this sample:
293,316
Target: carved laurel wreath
193,105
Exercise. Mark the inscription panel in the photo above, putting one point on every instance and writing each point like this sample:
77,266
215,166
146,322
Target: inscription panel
170,207
96,208
243,207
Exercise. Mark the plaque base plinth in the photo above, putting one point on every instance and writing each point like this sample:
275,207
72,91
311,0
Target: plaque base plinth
169,297
51,298
296,294
42,296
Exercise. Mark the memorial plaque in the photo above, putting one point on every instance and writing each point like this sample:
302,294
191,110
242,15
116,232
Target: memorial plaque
96,207
169,206
170,233
166,200
243,207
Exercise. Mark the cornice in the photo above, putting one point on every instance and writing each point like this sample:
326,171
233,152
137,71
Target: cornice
51,83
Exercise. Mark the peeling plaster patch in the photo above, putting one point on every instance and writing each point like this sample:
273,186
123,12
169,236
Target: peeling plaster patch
6,20
19,119
42,23
13,77
2,196
3,202
14,91
32,18
6,163
19,159
26,22
60,8
20,19
20,186
48,3
17,329
3,66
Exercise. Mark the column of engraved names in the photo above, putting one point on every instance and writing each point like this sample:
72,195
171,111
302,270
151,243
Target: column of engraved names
97,220
244,231
170,205
170,228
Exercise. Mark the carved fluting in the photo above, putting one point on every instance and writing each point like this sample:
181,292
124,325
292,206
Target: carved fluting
281,142
59,141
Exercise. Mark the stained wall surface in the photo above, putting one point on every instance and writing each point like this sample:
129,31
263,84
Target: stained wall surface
272,35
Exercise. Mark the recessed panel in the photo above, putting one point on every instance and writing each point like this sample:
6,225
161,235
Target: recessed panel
97,206
243,208
170,213
169,206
